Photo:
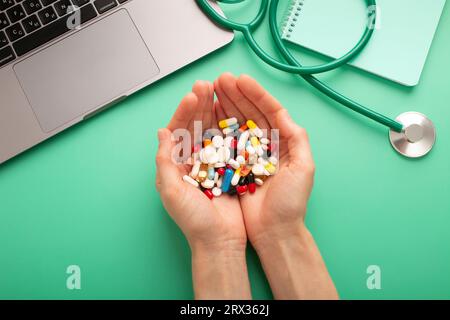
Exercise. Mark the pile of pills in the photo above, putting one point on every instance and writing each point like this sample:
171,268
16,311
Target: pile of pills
232,163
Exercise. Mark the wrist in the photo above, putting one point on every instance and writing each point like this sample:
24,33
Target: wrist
293,265
282,237
232,249
220,271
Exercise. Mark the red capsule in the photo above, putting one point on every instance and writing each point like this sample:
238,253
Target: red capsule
251,183
221,171
241,190
234,143
208,193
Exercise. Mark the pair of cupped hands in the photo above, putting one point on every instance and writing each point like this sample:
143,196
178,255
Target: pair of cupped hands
276,210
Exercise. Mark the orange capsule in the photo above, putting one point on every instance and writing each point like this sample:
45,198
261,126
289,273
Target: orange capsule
207,142
243,128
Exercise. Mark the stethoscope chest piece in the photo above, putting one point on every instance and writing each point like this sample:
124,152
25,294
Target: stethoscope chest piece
417,138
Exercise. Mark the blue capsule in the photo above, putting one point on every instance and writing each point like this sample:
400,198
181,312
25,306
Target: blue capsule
211,173
226,183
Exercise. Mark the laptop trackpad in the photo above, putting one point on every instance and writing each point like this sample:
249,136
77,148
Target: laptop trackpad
86,70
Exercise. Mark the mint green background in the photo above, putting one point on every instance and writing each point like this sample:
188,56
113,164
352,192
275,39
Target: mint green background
87,197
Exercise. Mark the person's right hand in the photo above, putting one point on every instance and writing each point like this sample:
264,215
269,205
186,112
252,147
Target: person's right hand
274,215
278,208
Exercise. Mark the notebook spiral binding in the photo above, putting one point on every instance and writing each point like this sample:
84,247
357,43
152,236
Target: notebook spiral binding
291,18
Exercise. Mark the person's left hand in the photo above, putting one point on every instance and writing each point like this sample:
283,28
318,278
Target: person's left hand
217,224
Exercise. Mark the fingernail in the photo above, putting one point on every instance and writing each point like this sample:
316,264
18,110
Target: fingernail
160,134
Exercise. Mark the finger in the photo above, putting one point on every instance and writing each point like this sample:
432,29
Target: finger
208,109
254,92
228,84
205,95
214,119
167,170
297,139
200,89
228,106
183,114
220,114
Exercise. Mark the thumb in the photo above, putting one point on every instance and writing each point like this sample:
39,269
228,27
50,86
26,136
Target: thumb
166,170
296,137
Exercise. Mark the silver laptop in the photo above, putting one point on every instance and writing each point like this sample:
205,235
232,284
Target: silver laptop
61,61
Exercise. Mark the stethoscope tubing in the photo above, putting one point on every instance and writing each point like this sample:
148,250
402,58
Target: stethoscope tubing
292,65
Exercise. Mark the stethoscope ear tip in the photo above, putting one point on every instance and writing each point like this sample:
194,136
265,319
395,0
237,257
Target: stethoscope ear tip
417,137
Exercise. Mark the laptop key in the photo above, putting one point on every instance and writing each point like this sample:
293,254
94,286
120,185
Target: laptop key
16,13
31,23
6,55
62,7
3,39
104,5
31,6
4,22
51,31
5,4
47,15
80,3
15,32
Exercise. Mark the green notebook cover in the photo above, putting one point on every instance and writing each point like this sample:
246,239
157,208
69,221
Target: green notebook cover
400,44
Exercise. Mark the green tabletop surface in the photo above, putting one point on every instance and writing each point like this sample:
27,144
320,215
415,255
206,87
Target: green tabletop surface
87,197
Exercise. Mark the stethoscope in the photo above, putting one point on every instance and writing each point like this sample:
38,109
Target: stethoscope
411,134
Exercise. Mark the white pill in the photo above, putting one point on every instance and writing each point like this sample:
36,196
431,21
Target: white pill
235,179
208,184
265,147
258,132
216,177
191,181
250,150
227,131
224,154
273,160
258,169
259,181
213,158
207,151
217,192
234,164
220,165
195,169
264,141
243,140
259,150
241,160
217,141
202,156
219,183
227,141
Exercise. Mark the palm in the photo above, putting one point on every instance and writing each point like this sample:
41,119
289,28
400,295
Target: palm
200,218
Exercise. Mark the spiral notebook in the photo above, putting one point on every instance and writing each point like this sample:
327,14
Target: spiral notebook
402,38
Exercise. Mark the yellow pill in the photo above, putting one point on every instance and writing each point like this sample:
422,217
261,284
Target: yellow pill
270,168
251,124
254,141
227,123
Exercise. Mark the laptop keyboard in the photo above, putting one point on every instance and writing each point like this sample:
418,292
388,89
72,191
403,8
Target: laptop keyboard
28,24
